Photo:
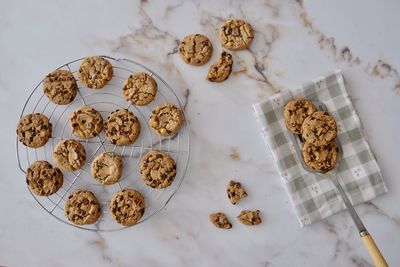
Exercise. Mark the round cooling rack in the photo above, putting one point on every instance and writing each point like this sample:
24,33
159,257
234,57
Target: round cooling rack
105,101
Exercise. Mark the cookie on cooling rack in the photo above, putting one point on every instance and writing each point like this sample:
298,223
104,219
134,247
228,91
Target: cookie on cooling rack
82,207
321,158
122,127
158,169
95,72
220,220
34,130
319,128
107,168
296,111
195,49
43,179
166,119
221,69
140,89
60,87
86,122
236,34
249,217
127,207
69,155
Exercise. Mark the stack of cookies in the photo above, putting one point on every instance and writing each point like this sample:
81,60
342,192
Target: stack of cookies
318,130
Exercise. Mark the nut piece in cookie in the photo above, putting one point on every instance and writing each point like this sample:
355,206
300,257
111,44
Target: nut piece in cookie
296,111
158,169
236,34
69,155
34,130
122,127
60,87
319,128
140,89
220,220
43,179
107,168
220,70
320,158
235,192
82,207
195,49
166,119
95,72
86,122
249,217
127,207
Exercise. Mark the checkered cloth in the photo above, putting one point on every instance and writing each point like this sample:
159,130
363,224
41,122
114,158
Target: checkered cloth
313,197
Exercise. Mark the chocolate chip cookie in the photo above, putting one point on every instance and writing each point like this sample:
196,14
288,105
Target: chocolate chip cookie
140,89
60,87
220,220
249,217
319,128
69,155
236,34
158,169
43,179
195,49
34,130
86,122
166,119
95,72
127,207
296,111
82,207
107,168
221,69
321,158
235,192
122,127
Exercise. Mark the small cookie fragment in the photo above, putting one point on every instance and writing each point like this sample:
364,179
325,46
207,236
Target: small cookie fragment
60,87
69,155
86,122
34,130
43,179
82,207
235,192
220,220
296,111
122,127
236,34
221,69
166,119
127,207
319,128
140,89
107,168
95,72
195,49
321,158
249,217
158,169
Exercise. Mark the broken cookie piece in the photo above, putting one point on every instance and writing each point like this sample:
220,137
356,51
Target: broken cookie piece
221,69
249,217
235,192
220,220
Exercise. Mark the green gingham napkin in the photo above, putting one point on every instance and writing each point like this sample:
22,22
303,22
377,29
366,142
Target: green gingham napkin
313,197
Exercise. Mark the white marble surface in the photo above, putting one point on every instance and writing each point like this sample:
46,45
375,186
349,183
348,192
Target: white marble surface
294,42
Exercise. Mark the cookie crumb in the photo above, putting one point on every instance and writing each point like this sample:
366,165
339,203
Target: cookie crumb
235,192
220,220
248,217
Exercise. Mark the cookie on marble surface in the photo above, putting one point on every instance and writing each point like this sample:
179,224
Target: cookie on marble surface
95,72
34,130
235,192
158,169
122,127
166,119
220,220
321,158
236,34
69,155
43,179
86,122
107,168
127,207
60,87
82,207
221,69
195,49
140,89
296,111
249,217
319,128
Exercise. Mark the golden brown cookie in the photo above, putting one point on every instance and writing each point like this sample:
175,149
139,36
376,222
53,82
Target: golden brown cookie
158,169
122,127
235,192
69,155
321,158
107,168
220,220
236,34
319,128
249,217
86,122
166,119
195,49
95,72
127,207
221,69
34,130
43,179
140,89
60,87
82,207
296,111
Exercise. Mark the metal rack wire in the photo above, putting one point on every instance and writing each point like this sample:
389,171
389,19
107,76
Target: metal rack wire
106,100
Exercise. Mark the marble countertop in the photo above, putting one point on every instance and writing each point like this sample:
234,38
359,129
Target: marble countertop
294,42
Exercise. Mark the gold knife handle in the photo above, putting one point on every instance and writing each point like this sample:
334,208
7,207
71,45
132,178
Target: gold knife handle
373,250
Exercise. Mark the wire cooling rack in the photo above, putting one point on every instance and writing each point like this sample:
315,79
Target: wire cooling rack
105,101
